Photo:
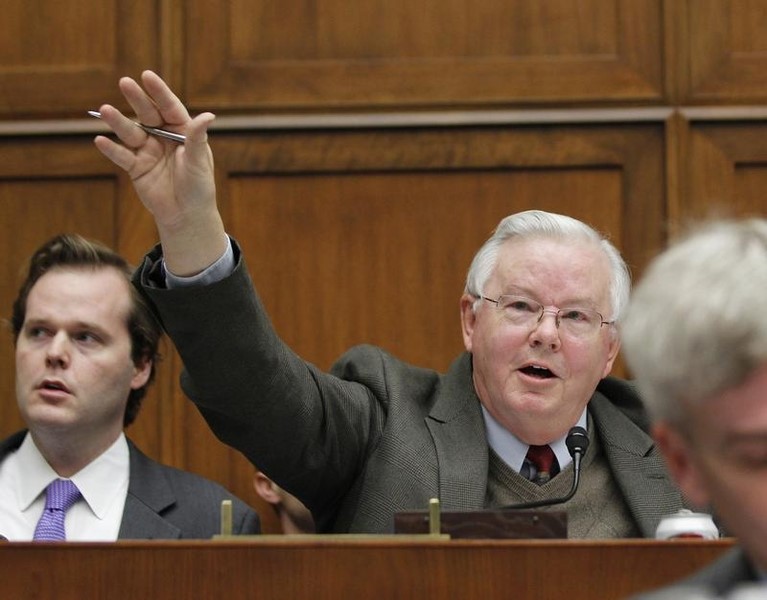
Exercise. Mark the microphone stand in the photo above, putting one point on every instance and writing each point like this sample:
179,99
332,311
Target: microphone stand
577,443
503,522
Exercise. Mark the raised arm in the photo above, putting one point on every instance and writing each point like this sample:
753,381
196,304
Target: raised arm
176,182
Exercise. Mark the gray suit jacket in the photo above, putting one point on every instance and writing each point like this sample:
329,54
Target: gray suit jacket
166,503
731,572
376,435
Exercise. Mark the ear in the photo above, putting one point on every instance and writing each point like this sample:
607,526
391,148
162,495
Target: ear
141,374
266,488
468,319
614,345
681,461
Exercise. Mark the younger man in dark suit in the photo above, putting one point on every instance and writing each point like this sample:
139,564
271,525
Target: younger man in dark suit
86,346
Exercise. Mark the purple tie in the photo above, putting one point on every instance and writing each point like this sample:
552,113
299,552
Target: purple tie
59,496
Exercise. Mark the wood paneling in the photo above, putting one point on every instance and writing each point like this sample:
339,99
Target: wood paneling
722,54
367,236
348,568
352,236
62,58
267,55
57,60
725,171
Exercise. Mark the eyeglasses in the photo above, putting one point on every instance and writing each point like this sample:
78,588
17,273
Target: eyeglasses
578,323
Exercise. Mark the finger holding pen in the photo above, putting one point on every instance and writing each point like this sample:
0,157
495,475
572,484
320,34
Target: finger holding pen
175,181
155,104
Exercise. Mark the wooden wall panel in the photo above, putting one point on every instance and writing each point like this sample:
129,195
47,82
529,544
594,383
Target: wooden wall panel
350,568
725,171
382,258
62,58
57,60
271,55
369,239
722,51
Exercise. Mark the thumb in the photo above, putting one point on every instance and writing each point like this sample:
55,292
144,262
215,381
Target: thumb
196,144
196,148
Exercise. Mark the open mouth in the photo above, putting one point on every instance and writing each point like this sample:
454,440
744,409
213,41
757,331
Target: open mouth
54,385
538,372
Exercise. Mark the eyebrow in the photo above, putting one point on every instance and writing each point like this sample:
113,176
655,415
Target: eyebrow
583,302
45,321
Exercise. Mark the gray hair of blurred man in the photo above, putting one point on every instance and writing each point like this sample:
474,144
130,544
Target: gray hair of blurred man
537,223
696,324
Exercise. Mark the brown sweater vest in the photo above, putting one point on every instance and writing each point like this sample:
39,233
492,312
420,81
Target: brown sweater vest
598,509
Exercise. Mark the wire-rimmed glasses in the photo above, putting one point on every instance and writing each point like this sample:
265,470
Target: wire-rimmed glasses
579,323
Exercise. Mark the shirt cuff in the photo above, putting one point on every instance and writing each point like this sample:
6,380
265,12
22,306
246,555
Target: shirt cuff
219,270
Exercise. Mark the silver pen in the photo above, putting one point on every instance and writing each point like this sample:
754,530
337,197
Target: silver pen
168,135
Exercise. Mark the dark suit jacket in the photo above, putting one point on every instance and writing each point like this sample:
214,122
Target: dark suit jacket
720,578
166,503
376,435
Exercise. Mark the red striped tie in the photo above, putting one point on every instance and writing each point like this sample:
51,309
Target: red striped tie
544,461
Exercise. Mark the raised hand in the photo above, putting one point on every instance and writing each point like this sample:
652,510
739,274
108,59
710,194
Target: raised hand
176,182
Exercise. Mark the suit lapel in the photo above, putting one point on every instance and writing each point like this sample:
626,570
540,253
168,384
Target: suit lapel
142,522
12,443
636,464
458,431
149,494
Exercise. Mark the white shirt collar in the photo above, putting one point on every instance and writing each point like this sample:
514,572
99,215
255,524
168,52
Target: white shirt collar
99,482
513,451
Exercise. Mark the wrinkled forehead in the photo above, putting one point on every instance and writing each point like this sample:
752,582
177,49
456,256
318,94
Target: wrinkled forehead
557,270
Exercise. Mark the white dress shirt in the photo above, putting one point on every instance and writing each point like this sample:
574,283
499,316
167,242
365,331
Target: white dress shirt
96,516
513,451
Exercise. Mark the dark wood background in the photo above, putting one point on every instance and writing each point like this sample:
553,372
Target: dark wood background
366,149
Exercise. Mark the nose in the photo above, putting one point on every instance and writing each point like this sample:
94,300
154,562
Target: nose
546,330
57,353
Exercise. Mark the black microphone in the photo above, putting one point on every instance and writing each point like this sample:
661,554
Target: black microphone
577,443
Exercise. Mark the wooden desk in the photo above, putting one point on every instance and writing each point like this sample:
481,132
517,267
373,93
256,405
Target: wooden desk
281,567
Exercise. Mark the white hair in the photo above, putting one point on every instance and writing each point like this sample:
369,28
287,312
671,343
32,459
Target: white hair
696,325
537,223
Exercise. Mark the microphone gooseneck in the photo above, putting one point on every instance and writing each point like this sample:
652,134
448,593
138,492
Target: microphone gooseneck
577,442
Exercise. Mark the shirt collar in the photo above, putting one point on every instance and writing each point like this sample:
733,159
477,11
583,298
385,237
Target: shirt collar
513,451
98,482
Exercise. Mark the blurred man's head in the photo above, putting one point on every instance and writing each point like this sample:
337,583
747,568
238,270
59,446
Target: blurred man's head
696,339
